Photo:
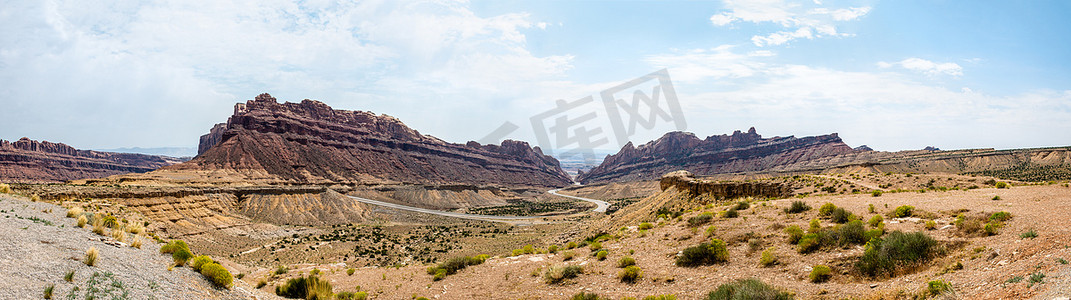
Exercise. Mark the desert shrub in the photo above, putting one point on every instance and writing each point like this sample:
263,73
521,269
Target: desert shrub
91,256
98,227
870,208
119,235
903,211
82,221
702,254
48,291
876,193
197,262
216,273
626,261
747,289
587,296
110,221
742,205
1029,234
346,296
570,245
646,225
349,272
794,233
630,274
74,212
808,243
938,287
931,225
311,287
451,266
883,255
559,274
1001,185
1000,216
281,270
136,243
874,233
528,249
995,198
797,207
875,221
815,226
517,252
601,255
826,209
768,258
552,249
181,255
661,297
69,277
568,255
4,188
360,295
173,245
700,219
731,213
852,233
840,216
820,273
992,228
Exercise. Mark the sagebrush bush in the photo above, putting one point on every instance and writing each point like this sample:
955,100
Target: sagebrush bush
815,226
568,255
217,274
451,266
797,207
742,205
937,287
840,216
173,245
645,226
1000,216
91,256
992,228
870,208
876,193
181,256
852,233
552,249
703,254
904,211
74,212
710,231
700,219
768,258
559,274
572,245
884,255
1002,185
875,221
199,261
110,221
595,246
630,274
731,213
808,243
931,225
794,233
587,296
750,289
281,270
820,273
349,272
601,255
826,209
626,261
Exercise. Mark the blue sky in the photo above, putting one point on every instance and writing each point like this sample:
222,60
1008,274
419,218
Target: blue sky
894,75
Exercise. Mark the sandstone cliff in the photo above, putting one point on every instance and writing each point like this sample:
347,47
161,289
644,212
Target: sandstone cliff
27,160
309,142
719,154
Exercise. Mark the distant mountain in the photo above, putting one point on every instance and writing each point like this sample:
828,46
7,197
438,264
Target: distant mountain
309,142
719,154
27,160
164,151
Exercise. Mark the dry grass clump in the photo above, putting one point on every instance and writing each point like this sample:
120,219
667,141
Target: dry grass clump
136,243
311,287
748,289
74,212
5,189
91,256
119,235
559,274
82,220
98,227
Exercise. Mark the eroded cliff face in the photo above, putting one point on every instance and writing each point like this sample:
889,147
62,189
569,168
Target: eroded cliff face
719,154
27,160
309,142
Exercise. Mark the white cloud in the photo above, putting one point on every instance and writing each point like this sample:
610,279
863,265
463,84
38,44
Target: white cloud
926,67
800,20
160,73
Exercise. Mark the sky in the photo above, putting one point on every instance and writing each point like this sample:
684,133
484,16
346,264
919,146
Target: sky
893,75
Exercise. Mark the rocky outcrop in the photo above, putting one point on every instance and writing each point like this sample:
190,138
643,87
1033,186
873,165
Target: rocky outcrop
719,154
27,160
685,181
309,142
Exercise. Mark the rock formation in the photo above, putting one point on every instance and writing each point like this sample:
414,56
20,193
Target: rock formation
719,154
309,142
27,160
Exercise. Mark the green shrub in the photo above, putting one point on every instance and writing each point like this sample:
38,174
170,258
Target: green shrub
568,255
931,225
200,261
110,222
646,225
883,255
360,295
875,221
794,233
451,266
710,231
747,289
69,277
797,207
876,193
552,249
840,216
852,233
5,189
559,274
937,287
601,255
588,296
595,246
281,270
815,227
826,209
1000,216
181,255
626,261
571,245
768,258
661,297
731,213
217,274
742,205
870,208
349,272
346,296
992,228
820,273
903,211
1029,234
702,254
1002,185
874,233
995,198
311,287
630,274
808,243
173,245
700,219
